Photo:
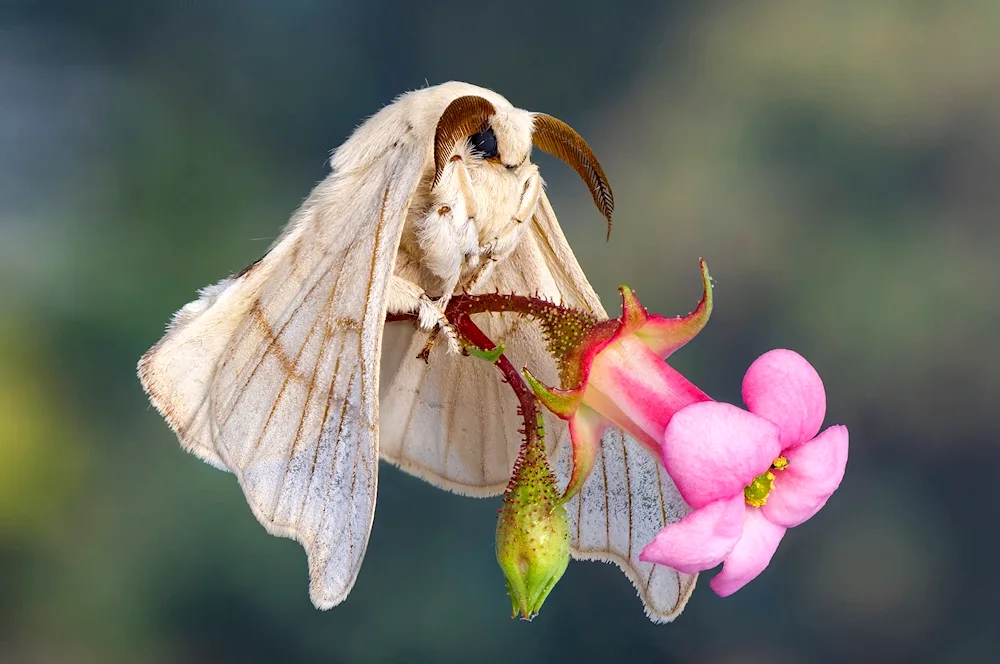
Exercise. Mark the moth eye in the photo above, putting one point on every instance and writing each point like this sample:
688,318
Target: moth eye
485,144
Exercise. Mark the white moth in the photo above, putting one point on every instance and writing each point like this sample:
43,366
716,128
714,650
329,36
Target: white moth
287,375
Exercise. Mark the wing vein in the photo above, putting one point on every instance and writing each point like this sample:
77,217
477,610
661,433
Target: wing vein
350,521
333,460
501,425
579,512
270,345
309,393
413,408
663,506
607,508
449,415
368,294
319,434
628,492
484,428
289,371
302,419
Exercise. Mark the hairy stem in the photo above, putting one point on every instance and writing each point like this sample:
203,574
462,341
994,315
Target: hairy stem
533,445
564,328
526,399
459,311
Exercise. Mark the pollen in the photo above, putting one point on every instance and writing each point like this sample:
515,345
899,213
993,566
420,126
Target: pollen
756,492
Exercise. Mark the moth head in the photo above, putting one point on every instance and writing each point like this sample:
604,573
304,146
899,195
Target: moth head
502,134
496,133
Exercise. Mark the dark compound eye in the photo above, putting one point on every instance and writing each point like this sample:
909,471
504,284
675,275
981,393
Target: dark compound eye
485,144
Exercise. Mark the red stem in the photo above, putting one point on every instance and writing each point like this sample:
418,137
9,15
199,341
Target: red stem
525,397
524,305
459,309
528,402
467,328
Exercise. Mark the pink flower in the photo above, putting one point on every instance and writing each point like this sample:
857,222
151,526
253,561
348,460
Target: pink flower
749,476
620,377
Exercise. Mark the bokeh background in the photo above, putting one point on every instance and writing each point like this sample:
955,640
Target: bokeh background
836,162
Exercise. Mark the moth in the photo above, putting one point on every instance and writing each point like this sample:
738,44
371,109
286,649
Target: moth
287,375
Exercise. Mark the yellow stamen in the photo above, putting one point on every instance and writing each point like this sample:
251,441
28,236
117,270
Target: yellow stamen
756,492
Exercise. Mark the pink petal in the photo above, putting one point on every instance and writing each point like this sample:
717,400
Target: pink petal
752,553
585,430
713,450
814,472
783,387
701,540
665,335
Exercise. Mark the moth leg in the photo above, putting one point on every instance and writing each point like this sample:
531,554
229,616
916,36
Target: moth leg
425,352
483,273
504,242
405,297
447,234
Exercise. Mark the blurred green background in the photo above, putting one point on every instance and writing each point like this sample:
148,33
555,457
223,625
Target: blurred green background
836,162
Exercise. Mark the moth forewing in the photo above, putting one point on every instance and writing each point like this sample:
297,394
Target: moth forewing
279,369
298,419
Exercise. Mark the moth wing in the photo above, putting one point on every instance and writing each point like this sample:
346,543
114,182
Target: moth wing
273,374
453,423
625,502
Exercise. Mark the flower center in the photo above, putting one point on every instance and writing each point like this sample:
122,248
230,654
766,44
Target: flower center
756,492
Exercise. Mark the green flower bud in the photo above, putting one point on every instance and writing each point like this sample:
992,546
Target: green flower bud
532,539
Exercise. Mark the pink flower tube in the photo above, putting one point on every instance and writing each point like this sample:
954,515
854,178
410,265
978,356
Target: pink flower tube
623,380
